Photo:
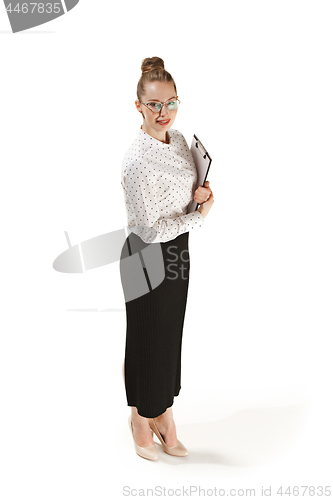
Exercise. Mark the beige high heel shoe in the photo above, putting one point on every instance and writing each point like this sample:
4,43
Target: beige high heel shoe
178,450
148,452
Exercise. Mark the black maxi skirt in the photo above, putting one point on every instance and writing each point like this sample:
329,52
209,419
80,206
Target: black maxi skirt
155,326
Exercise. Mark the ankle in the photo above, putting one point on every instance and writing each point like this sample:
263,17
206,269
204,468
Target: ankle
166,417
138,419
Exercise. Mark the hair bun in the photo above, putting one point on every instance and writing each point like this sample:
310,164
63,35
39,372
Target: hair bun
152,71
152,63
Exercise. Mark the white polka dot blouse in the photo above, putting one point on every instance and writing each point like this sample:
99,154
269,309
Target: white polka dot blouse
158,182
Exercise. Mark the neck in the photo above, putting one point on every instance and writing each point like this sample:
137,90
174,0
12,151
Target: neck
159,136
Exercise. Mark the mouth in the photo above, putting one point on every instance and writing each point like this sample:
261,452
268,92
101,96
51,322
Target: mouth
163,122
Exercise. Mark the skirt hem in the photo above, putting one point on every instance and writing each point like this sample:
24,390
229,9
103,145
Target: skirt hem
147,415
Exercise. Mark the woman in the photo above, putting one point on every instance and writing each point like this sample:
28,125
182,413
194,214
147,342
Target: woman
158,179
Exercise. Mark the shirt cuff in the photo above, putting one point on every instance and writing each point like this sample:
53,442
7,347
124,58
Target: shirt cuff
194,219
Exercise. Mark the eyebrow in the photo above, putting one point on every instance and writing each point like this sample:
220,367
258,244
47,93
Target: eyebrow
155,100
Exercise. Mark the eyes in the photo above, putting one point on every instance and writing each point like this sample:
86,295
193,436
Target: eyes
156,106
172,105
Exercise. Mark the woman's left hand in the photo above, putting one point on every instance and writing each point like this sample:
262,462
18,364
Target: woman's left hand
202,193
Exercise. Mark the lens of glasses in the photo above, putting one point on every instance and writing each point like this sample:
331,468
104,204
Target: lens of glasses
172,105
154,106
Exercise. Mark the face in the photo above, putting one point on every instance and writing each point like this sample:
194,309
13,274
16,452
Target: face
157,124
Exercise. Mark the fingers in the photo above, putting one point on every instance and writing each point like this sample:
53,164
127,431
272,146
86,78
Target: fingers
206,188
202,194
200,198
203,199
205,191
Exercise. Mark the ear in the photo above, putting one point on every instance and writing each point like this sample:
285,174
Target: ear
138,105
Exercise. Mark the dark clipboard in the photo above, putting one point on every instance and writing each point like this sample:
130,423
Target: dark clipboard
202,162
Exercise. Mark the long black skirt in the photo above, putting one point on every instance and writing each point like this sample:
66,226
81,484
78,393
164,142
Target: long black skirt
155,320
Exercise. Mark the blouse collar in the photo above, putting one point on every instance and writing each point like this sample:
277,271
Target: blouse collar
154,142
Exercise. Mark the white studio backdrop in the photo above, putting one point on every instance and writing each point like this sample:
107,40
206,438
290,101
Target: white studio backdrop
254,79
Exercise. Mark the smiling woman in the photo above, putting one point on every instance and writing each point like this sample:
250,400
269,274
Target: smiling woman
158,179
157,91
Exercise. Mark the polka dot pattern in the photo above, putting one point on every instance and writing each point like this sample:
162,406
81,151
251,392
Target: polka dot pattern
158,182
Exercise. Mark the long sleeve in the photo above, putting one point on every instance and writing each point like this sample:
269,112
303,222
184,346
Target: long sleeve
144,197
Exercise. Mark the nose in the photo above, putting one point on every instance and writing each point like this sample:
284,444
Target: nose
164,110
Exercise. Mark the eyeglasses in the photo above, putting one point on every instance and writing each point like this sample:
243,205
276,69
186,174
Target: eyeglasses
156,107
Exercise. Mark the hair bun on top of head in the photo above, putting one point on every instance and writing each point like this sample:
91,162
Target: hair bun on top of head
151,63
152,70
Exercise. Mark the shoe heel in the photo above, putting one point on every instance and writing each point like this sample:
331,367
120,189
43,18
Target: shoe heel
148,452
178,450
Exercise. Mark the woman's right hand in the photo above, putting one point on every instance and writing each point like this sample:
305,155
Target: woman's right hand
205,207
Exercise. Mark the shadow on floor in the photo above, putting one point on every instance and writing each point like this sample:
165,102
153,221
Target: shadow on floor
247,438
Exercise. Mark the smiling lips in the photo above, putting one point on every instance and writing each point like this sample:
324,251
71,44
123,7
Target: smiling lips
163,122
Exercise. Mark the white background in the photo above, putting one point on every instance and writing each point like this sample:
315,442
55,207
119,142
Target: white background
255,409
